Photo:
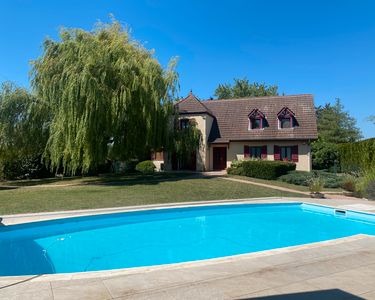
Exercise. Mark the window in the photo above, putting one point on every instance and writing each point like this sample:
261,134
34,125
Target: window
184,123
289,153
285,123
257,120
256,123
286,153
286,118
256,152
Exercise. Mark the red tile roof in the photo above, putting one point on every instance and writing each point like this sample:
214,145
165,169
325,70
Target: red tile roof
231,117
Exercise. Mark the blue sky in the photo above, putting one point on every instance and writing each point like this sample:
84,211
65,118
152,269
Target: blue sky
326,48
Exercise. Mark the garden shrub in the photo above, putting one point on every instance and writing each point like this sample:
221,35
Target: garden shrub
264,169
365,186
331,180
238,170
25,168
316,184
349,183
145,167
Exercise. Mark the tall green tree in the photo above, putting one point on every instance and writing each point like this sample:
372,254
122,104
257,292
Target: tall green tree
243,88
24,130
335,126
102,85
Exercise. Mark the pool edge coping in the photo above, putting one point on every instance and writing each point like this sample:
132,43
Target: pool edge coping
45,216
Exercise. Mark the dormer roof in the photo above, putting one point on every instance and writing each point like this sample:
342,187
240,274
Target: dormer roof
192,105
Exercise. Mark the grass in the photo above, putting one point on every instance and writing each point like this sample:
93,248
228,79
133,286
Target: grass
284,184
99,192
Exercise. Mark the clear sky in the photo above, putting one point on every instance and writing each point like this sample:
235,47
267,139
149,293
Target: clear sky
326,48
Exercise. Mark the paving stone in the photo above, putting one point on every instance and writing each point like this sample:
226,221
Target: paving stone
87,291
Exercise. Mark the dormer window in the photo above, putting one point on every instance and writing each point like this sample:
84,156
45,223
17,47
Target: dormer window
286,119
257,120
285,123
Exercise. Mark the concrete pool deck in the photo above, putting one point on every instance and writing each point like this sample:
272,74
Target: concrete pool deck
337,269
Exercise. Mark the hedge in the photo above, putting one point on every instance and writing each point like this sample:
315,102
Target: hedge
145,167
264,169
358,156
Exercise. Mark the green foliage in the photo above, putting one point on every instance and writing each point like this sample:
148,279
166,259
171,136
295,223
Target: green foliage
302,178
366,185
324,154
264,169
371,119
100,86
187,140
335,126
145,167
358,156
349,183
24,168
243,88
316,184
24,130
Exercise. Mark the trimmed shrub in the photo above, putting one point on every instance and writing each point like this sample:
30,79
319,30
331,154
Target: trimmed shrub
145,167
331,180
238,170
264,169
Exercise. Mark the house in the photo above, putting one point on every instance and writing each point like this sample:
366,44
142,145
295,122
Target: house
272,128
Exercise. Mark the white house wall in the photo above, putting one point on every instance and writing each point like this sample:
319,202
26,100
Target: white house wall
235,151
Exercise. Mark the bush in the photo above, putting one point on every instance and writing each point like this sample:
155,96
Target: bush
264,169
349,183
331,180
236,171
25,168
297,177
316,184
145,167
365,186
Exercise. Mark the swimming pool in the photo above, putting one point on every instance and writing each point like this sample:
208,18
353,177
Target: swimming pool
164,236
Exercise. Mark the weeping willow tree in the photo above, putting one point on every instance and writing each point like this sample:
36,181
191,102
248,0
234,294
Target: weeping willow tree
186,141
23,132
102,86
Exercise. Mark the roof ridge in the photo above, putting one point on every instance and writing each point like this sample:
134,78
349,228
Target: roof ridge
251,98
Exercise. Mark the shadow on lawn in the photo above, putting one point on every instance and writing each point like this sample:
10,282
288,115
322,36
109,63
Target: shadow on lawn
154,179
108,180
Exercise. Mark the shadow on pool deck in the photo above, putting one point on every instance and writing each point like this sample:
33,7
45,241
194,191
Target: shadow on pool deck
314,295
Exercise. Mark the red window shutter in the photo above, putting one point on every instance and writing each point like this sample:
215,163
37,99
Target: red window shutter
276,153
264,152
295,153
246,151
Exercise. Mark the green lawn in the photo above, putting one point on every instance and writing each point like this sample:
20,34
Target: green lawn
97,192
284,184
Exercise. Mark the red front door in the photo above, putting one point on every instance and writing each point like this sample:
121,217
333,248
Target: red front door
220,158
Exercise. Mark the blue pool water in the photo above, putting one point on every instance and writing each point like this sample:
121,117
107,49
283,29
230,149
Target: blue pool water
164,236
